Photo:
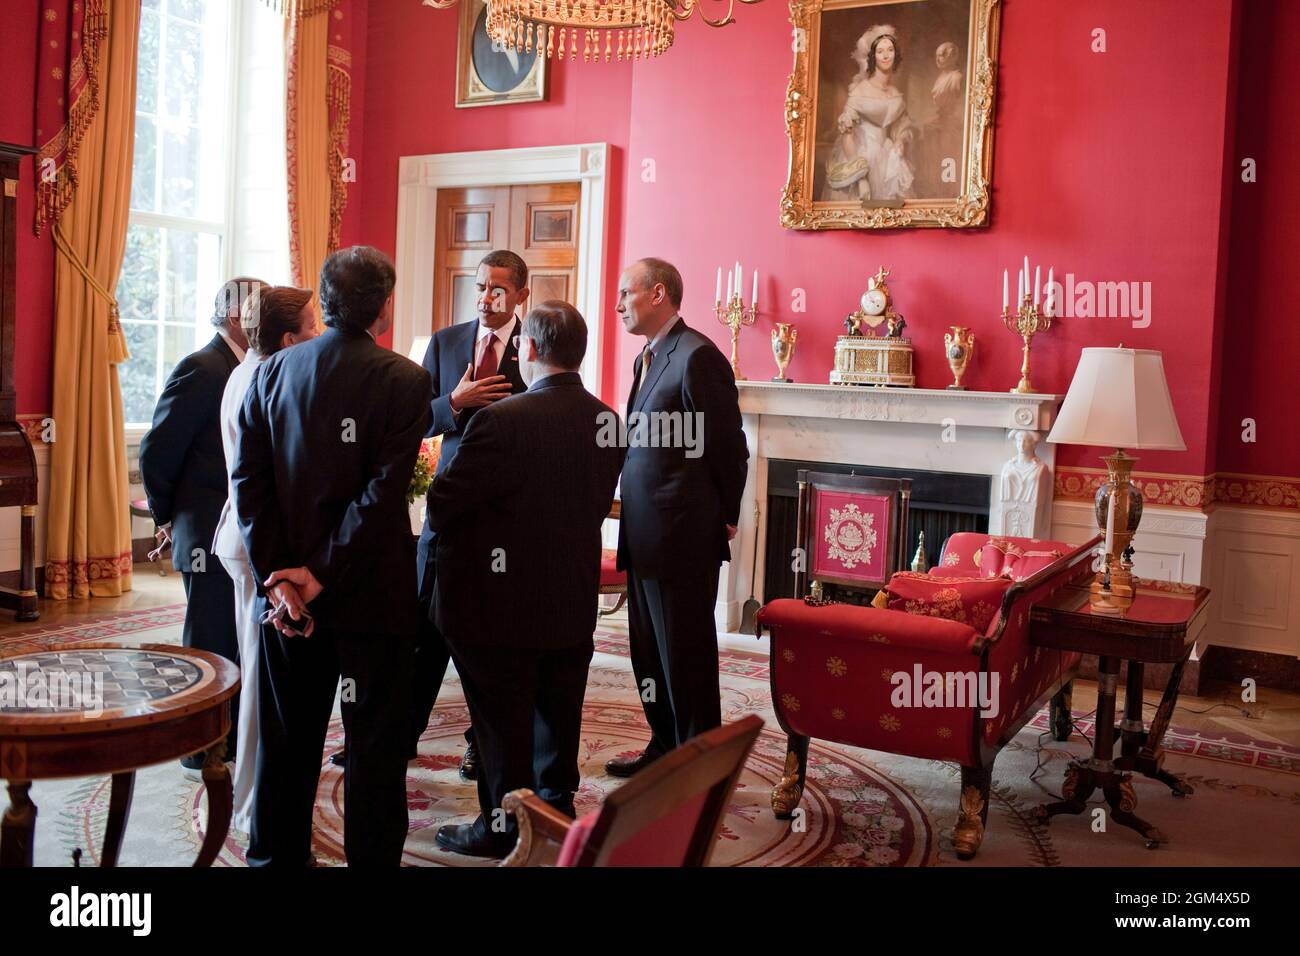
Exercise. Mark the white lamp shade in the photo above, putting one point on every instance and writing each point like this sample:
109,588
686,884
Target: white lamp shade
1118,398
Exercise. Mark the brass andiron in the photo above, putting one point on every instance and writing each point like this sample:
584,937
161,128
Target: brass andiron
1028,320
734,314
919,563
783,339
959,346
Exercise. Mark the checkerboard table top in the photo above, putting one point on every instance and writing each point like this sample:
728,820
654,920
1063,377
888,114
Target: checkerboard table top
62,690
119,677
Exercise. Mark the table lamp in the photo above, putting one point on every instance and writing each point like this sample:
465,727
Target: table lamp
1118,398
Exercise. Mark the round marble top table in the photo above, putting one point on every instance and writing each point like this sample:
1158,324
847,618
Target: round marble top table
95,709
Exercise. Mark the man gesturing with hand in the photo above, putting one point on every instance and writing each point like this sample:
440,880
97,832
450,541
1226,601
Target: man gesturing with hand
472,365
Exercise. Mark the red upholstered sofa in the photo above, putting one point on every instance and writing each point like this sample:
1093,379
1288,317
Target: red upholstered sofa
834,666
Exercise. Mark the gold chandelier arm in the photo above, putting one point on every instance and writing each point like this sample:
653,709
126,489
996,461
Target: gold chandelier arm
690,6
444,4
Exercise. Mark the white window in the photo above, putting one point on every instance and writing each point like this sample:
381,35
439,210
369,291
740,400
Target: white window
207,180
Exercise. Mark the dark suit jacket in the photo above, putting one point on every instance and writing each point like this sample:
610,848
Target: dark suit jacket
450,350
530,480
181,460
675,507
328,436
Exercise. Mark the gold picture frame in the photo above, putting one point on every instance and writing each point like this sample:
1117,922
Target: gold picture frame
957,197
488,77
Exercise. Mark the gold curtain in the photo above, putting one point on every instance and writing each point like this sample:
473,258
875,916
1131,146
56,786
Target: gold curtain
317,114
88,544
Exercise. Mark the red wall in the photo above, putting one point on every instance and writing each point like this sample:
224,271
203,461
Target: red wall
1105,164
1109,165
1261,343
35,300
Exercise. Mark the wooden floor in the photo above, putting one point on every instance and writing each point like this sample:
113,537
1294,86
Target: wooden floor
1274,717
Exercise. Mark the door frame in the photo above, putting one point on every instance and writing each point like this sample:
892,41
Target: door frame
420,178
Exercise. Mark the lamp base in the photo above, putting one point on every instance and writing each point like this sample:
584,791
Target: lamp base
1128,514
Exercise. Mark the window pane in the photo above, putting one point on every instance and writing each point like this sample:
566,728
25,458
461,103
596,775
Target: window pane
193,277
137,375
151,4
184,71
178,342
146,73
137,286
143,192
180,171
189,9
182,264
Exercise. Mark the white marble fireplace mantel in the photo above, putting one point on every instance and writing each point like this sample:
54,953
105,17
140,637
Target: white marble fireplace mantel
942,430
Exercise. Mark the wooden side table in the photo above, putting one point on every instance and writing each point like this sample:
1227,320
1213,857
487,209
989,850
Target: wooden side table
121,708
1159,627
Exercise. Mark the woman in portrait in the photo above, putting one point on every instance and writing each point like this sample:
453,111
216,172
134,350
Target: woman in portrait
870,160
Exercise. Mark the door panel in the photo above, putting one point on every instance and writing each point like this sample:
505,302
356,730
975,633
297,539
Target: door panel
539,222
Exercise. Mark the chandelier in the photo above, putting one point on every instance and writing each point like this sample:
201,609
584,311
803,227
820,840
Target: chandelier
629,29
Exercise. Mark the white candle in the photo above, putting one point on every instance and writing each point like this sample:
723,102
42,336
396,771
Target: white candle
1051,291
731,277
717,296
738,275
1110,521
1020,289
1026,292
753,298
1005,280
1037,277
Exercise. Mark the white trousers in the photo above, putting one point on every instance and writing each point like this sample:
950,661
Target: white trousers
249,632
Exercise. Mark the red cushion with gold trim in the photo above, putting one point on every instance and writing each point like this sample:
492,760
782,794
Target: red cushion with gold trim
610,575
971,601
1016,558
867,625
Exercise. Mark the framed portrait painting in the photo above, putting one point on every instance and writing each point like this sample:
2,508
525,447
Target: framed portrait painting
890,113
487,75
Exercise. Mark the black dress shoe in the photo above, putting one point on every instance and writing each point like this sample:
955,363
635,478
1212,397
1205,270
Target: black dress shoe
464,838
626,766
339,758
193,765
469,764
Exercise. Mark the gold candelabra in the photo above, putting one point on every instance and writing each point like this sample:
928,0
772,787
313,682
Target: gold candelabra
734,314
1027,321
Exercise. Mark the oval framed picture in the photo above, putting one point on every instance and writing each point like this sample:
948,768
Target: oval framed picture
486,74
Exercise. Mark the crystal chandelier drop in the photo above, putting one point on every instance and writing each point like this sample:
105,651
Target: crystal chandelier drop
614,29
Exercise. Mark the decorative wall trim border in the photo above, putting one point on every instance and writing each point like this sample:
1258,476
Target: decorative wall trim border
1201,493
34,425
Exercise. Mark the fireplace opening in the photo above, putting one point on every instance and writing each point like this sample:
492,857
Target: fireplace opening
942,503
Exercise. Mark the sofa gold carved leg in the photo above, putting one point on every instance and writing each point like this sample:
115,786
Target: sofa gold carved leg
787,794
968,834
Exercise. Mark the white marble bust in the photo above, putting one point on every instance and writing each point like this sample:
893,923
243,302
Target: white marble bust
1022,505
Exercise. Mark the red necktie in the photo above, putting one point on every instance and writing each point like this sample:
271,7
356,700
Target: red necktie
487,358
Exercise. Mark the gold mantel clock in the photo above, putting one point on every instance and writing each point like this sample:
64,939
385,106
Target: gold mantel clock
867,358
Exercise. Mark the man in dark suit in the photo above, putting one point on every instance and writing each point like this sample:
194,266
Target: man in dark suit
518,516
681,503
472,365
184,473
329,432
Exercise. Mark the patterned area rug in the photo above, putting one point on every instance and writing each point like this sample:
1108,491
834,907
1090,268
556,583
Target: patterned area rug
863,808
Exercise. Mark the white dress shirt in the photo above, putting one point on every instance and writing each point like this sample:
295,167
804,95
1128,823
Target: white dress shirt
499,346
